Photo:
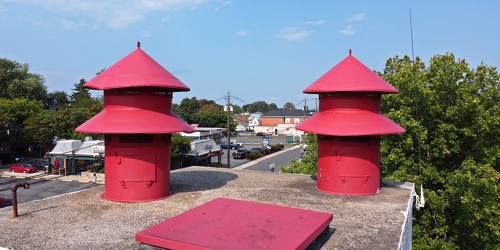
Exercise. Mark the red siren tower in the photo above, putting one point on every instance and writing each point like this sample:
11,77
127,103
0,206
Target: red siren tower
349,124
137,122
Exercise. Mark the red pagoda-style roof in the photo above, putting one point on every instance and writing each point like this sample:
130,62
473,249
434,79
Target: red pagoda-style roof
134,121
349,123
137,69
350,75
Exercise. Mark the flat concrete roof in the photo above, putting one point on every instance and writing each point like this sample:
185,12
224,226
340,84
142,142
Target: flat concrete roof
83,220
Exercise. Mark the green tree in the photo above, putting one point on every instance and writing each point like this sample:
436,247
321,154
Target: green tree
309,161
245,107
57,100
237,109
82,107
17,82
179,145
10,71
289,106
458,110
32,87
273,106
204,112
211,116
187,109
13,115
40,127
258,106
81,96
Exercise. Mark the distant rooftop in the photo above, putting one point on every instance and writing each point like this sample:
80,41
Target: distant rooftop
83,220
85,148
285,113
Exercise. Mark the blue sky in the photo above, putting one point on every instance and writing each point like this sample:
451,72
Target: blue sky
260,50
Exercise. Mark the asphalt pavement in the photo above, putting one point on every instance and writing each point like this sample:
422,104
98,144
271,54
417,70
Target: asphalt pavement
41,185
256,141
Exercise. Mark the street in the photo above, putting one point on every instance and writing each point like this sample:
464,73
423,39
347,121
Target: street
278,158
40,188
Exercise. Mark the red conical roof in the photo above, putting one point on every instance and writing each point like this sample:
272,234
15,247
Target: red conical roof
137,69
134,121
350,75
349,123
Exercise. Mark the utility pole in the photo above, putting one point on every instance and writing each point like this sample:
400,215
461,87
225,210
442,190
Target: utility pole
228,131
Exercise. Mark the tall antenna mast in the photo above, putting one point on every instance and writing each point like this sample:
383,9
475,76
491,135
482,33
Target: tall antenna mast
416,99
228,130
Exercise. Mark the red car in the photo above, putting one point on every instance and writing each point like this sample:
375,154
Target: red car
23,168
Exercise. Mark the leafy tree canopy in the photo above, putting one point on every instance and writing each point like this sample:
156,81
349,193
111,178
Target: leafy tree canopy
273,106
81,96
258,106
289,106
17,82
179,145
57,100
34,116
206,113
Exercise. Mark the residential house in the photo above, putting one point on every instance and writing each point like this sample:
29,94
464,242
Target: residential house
281,122
242,119
254,120
241,128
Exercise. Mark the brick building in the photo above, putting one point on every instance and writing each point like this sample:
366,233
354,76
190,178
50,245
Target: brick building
282,116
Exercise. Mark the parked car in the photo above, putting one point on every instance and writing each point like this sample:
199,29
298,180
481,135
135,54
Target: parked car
23,168
240,144
3,202
40,164
256,150
223,145
241,153
259,134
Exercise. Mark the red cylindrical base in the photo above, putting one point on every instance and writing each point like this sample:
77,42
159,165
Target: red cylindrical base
349,165
137,167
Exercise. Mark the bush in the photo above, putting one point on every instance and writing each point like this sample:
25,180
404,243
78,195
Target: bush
254,155
97,168
216,165
276,147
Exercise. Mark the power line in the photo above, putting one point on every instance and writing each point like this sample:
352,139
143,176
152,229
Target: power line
239,99
223,97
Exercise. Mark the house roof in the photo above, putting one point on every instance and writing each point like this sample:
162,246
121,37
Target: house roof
66,146
285,113
256,114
